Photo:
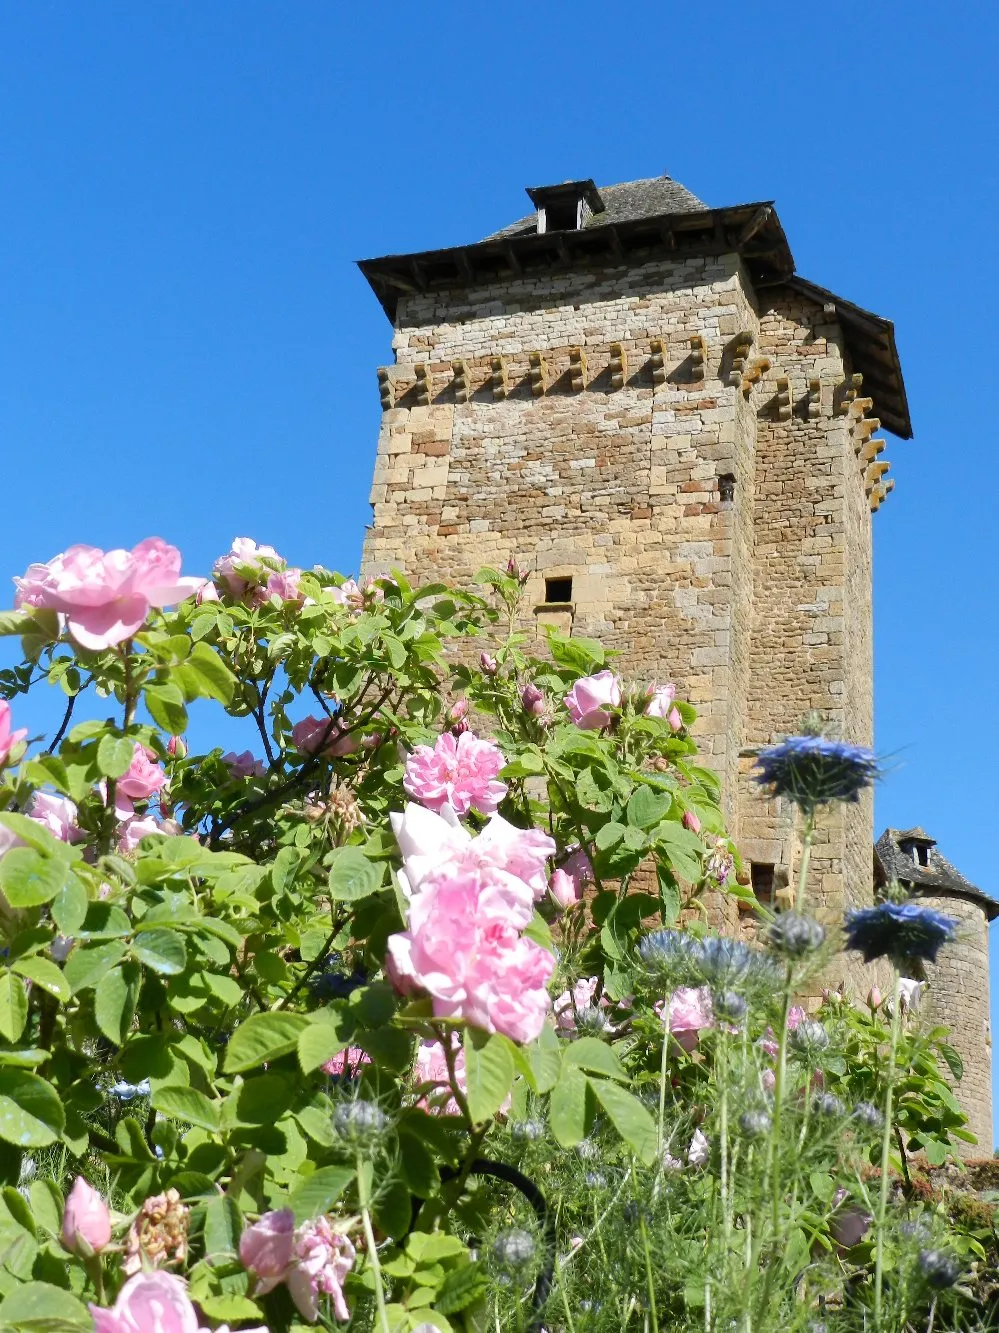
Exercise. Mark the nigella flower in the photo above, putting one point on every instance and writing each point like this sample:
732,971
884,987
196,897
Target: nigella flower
795,935
754,1124
939,1268
727,964
828,1104
526,1131
359,1122
813,770
514,1247
809,1037
868,1116
671,953
899,931
729,1005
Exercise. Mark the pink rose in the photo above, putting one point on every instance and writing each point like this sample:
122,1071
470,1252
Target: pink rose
564,889
690,1010
245,765
315,733
568,1004
660,700
459,771
144,777
346,1063
347,594
284,584
590,699
323,1258
691,822
795,1015
133,830
266,1248
207,593
464,947
56,813
874,999
8,738
533,700
177,747
431,1067
523,853
86,1220
149,1303
106,596
488,663
674,719
247,566
427,840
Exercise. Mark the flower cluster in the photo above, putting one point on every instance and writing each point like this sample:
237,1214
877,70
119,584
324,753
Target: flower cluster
311,1260
814,770
106,596
459,771
255,574
153,1303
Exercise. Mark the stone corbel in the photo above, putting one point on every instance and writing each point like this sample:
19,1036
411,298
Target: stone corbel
865,428
871,450
618,366
880,493
538,373
753,374
577,369
698,356
497,377
782,399
424,384
462,381
849,388
814,399
658,361
740,345
386,388
873,475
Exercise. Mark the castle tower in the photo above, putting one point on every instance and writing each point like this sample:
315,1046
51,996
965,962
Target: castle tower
637,397
958,993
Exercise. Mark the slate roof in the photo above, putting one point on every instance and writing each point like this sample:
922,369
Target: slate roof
937,876
652,198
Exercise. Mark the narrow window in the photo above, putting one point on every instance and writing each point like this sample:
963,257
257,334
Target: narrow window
558,590
726,487
763,884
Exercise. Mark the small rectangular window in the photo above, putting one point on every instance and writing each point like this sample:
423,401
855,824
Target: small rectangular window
763,884
558,590
726,487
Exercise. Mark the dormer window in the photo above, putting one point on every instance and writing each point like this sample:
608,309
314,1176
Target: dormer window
565,207
917,848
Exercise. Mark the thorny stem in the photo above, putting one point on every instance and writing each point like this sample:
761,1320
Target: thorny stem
885,1148
369,1236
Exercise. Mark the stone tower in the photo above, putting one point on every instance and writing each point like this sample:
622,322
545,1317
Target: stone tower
637,397
958,995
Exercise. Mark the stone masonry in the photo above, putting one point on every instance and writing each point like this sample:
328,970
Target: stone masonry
656,407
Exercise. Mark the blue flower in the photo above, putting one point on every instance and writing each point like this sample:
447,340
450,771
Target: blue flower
813,770
898,931
939,1268
795,935
672,952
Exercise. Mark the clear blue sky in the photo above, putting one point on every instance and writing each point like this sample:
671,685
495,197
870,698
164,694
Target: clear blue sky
186,347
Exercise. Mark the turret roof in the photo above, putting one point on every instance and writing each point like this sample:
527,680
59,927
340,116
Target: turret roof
655,197
937,876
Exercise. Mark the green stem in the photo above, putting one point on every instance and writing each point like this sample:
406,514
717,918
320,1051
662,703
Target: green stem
648,1275
662,1084
806,856
369,1236
723,1135
885,1150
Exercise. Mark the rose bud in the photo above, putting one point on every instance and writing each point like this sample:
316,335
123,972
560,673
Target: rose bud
533,700
488,664
691,822
86,1221
874,999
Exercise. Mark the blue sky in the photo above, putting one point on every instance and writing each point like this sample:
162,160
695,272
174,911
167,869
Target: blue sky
186,347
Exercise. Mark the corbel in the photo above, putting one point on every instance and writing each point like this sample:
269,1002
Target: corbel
758,367
698,356
618,365
871,450
874,473
865,428
539,374
462,381
741,344
658,361
850,388
386,388
783,398
497,377
859,407
424,384
879,493
577,369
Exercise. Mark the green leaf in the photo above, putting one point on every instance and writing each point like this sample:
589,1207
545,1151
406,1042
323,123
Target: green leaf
39,1307
629,1117
47,1205
223,1223
162,950
166,707
545,1055
571,1107
461,1288
69,907
595,1056
609,835
85,967
115,1000
319,1042
187,1104
28,878
319,1192
13,1006
43,972
35,835
352,875
489,1071
114,755
647,807
261,1038
215,678
954,1062
31,1111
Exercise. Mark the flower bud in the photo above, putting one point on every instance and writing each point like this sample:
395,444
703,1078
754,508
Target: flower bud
874,999
564,889
177,747
514,571
86,1221
456,717
488,664
691,822
533,700
674,719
